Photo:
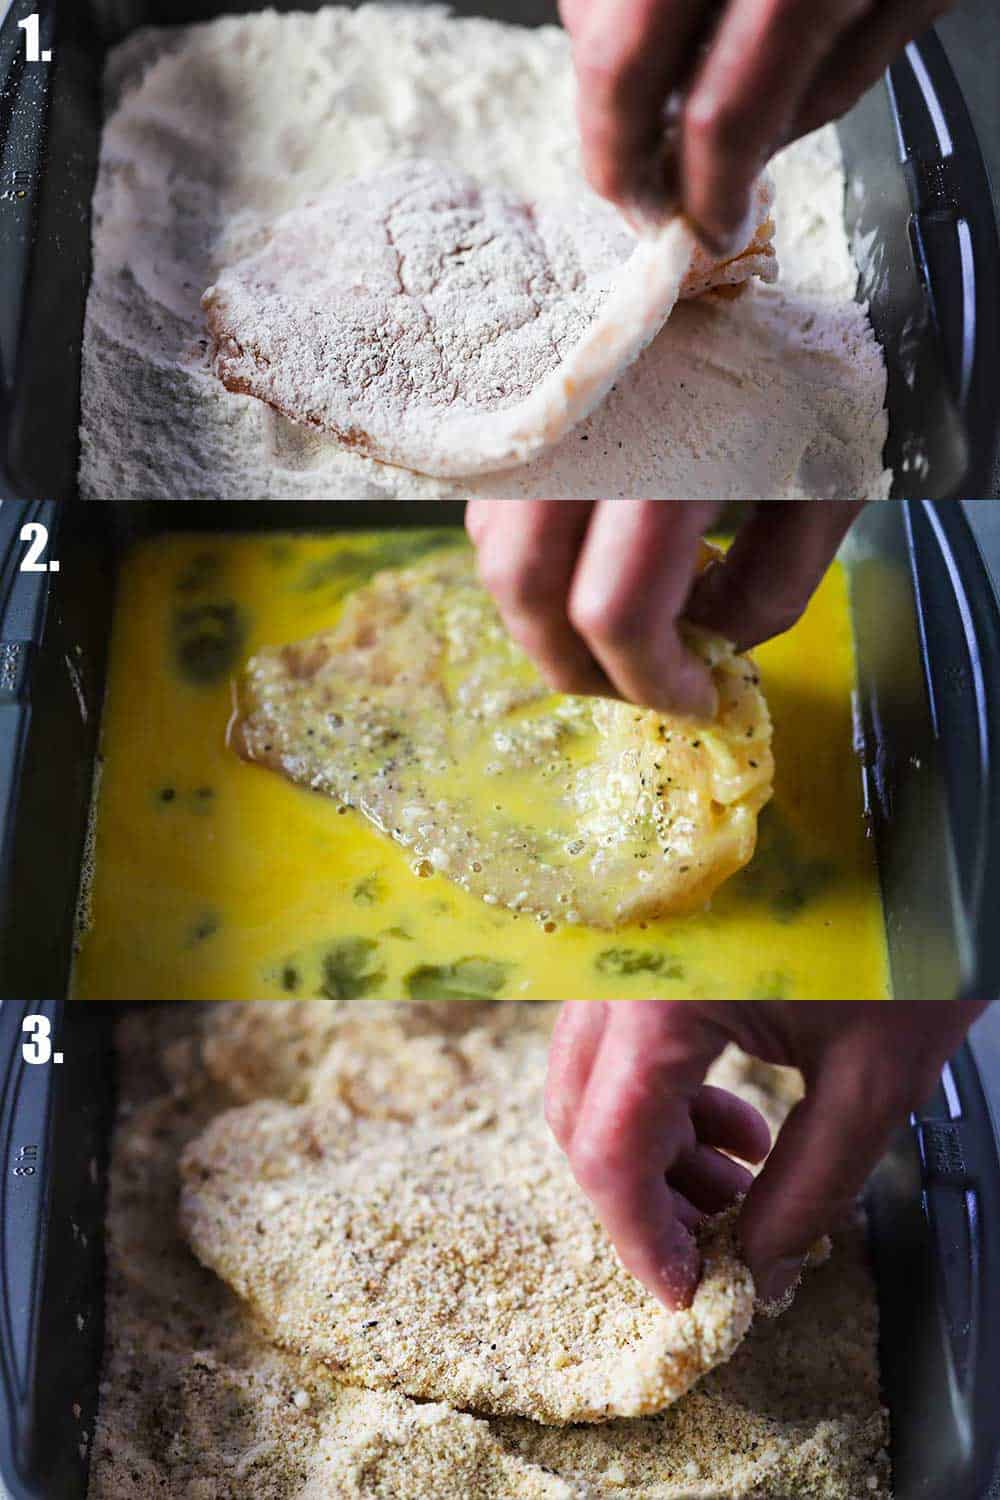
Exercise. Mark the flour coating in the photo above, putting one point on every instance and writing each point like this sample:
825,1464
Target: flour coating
216,130
453,329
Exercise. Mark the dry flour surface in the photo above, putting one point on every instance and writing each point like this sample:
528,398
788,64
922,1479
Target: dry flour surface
198,1403
215,131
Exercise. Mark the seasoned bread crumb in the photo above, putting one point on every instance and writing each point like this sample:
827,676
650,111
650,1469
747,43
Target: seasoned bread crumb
197,1403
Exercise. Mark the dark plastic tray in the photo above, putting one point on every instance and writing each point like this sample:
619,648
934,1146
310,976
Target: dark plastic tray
927,628
934,1207
918,195
52,1249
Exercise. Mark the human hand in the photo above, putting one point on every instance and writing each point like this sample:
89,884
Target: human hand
646,1140
754,75
594,589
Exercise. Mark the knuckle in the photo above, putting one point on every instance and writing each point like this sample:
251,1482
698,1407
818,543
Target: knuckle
610,69
599,618
592,1165
494,572
584,614
608,80
880,1096
718,121
519,583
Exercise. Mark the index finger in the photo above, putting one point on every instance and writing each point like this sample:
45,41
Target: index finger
744,97
832,1139
633,1124
526,553
632,582
772,569
629,56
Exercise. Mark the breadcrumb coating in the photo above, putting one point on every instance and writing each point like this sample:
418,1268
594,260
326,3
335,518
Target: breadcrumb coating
198,1403
448,1253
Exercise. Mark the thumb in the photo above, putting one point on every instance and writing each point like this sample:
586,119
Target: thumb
823,1156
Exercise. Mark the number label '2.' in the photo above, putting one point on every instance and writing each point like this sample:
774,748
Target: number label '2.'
37,537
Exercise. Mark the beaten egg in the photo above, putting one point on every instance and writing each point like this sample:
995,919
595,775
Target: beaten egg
212,878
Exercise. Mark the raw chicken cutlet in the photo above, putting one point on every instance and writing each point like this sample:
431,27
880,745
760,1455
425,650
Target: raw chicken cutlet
577,809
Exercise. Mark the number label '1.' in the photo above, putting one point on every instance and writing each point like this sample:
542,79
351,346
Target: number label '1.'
33,40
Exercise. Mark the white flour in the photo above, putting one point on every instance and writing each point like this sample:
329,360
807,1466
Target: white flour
218,129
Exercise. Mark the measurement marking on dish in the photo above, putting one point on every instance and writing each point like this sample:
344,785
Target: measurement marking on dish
20,186
37,537
31,27
38,1047
25,1161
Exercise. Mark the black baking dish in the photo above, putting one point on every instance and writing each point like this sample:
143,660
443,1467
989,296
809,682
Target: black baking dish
934,1215
927,631
918,203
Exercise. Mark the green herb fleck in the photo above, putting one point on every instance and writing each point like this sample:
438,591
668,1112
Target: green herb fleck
624,963
465,979
199,573
207,640
290,978
774,986
779,874
349,567
206,926
350,969
369,891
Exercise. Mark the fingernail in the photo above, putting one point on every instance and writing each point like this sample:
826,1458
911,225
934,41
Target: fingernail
646,213
655,196
775,1284
678,1278
704,593
695,713
688,702
726,240
722,244
707,707
712,243
697,696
